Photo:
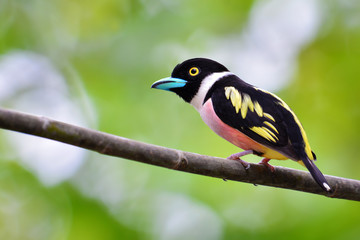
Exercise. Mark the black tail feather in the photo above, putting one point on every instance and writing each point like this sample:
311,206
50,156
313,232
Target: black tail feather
317,175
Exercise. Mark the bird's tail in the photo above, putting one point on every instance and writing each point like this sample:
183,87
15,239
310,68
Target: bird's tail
316,174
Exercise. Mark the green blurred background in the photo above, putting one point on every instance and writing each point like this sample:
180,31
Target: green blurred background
92,63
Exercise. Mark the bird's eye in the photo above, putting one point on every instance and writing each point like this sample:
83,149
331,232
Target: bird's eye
194,71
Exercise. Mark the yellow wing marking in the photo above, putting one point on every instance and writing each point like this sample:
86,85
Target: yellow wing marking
242,102
236,100
273,134
264,132
235,97
244,110
271,126
248,102
258,109
227,92
269,117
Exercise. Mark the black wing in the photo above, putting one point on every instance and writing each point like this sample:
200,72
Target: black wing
256,113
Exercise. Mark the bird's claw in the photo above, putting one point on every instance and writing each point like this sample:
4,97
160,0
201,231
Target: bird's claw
237,156
245,164
265,162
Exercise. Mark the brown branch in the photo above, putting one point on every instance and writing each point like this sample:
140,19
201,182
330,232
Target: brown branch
174,159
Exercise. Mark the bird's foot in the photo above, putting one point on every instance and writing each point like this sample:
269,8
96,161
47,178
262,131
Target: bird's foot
265,162
237,156
245,164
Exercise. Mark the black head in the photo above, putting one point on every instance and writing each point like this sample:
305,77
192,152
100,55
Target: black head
187,76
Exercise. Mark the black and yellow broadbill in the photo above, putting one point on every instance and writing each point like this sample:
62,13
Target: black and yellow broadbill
251,118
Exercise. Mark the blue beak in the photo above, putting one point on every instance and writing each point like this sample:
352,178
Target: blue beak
169,83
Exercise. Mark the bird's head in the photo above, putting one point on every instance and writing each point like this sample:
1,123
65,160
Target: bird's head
188,76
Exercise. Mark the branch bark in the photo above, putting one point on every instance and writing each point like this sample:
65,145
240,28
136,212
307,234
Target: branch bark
174,159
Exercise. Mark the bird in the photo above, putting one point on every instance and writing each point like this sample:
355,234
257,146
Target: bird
253,119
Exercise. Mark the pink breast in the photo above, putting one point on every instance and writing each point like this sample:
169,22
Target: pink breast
230,134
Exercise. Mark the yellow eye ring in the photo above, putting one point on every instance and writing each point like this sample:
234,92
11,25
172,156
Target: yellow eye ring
194,71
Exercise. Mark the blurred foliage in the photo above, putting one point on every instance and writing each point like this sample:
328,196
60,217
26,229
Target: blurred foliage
116,50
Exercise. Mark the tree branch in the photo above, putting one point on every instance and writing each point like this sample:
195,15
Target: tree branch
174,159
